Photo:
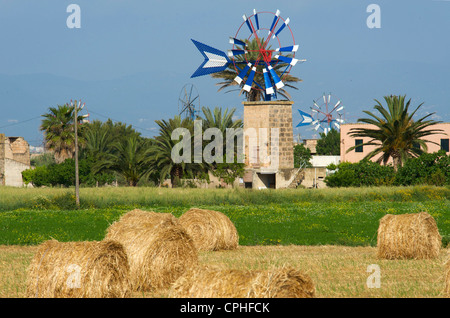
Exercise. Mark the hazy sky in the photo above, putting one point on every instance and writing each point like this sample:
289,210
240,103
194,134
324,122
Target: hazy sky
150,41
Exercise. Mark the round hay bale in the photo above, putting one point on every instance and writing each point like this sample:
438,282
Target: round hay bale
79,270
408,236
159,250
210,230
209,282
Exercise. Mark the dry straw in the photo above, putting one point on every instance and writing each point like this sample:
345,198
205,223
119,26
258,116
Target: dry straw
210,230
447,276
210,282
79,270
408,236
159,250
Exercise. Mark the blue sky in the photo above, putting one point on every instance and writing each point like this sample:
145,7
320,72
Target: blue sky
130,59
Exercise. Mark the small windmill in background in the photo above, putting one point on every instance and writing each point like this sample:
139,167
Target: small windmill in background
188,102
326,114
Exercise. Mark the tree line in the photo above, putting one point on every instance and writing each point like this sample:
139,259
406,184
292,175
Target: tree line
114,152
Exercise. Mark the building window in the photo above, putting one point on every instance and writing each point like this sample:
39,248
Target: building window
445,145
357,143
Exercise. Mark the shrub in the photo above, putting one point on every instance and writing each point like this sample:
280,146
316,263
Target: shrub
429,168
302,156
63,174
363,173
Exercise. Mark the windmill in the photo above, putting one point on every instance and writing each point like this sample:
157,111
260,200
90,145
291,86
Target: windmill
266,28
188,101
326,114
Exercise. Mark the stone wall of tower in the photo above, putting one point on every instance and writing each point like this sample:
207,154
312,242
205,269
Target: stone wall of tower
268,115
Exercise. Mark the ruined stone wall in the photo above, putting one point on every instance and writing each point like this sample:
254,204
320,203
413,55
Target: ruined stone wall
14,158
13,172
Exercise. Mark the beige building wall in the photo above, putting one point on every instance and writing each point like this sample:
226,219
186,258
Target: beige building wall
353,156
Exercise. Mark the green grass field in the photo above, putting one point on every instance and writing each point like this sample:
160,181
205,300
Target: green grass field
271,217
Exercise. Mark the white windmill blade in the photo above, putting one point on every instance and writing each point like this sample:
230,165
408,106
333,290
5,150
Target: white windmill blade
337,125
340,108
341,121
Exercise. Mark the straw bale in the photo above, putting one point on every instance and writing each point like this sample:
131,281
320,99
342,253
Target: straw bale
159,250
211,282
79,270
447,276
210,230
408,236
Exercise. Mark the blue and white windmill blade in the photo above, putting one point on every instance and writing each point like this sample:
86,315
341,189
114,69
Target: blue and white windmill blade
239,78
268,83
292,48
288,60
274,22
215,60
237,42
232,53
306,119
248,23
278,83
281,27
256,18
249,82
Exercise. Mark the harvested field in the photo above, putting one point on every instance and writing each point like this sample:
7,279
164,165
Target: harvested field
337,271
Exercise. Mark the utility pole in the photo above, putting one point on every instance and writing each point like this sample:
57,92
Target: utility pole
77,179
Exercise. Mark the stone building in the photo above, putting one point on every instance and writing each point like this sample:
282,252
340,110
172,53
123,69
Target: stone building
269,145
14,158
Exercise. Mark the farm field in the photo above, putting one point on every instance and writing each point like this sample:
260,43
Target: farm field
331,234
337,271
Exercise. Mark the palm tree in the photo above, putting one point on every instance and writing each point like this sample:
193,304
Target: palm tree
98,141
128,158
58,126
222,121
255,93
160,153
395,134
217,119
